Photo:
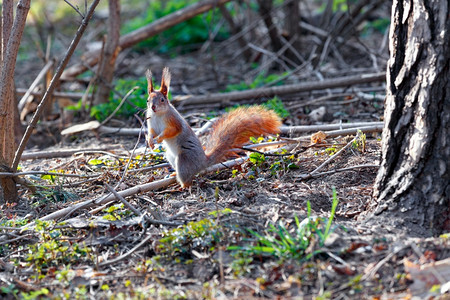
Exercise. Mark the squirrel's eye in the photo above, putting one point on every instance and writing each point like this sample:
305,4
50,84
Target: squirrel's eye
162,99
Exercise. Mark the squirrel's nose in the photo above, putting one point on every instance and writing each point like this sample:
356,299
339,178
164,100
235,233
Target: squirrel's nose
154,108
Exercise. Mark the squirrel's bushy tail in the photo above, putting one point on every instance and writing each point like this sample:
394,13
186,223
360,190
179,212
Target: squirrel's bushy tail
235,128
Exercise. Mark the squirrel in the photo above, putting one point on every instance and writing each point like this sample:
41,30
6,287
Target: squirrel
184,150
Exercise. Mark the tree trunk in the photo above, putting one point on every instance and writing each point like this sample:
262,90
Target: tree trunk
412,189
11,36
111,50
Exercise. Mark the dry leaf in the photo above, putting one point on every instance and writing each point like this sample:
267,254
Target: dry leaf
427,275
318,137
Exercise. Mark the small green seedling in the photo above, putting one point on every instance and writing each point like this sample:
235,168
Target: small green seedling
284,243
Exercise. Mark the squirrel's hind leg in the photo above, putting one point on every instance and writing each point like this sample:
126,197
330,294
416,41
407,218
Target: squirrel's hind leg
171,158
186,169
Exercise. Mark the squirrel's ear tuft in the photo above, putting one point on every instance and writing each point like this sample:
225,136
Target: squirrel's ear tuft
148,74
165,82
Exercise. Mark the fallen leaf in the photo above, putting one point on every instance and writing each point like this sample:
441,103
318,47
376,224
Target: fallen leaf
318,137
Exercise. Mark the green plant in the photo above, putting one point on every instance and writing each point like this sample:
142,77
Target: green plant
331,150
223,212
192,32
277,106
284,163
274,104
115,212
379,25
445,236
360,142
55,194
259,81
10,289
34,294
355,283
282,243
135,101
179,242
241,264
257,158
52,250
338,5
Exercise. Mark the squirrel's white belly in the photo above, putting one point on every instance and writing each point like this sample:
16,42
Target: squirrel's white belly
157,123
172,151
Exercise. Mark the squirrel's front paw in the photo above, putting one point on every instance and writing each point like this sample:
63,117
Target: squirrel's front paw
151,142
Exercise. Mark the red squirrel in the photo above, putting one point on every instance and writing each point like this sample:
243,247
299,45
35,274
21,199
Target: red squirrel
184,150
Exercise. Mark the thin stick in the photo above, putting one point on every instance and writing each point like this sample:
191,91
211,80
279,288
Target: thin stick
308,176
333,156
382,262
38,79
75,8
72,95
158,166
117,259
122,199
62,153
16,239
53,84
136,211
14,174
119,106
303,149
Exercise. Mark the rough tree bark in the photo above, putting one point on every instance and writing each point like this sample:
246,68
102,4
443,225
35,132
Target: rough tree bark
412,189
111,50
11,36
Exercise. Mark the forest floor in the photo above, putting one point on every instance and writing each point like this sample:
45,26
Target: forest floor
266,228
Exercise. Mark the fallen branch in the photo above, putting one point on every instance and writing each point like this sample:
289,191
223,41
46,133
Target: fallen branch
322,127
136,211
128,192
351,131
60,153
315,175
71,95
152,29
98,201
14,174
95,125
280,90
